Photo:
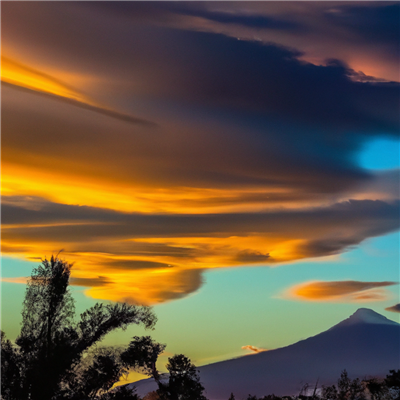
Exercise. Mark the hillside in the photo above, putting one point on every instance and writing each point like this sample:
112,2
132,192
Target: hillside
365,344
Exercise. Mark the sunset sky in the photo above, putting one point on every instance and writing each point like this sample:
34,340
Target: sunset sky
233,164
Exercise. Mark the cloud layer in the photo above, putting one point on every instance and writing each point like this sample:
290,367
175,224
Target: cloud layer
156,257
150,143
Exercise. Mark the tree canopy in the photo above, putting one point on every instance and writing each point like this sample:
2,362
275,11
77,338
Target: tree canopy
184,381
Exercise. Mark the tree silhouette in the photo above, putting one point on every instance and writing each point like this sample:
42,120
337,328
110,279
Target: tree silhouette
142,355
184,381
51,348
329,392
377,388
349,389
392,380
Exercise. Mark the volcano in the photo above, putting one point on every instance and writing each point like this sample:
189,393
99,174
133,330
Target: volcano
365,344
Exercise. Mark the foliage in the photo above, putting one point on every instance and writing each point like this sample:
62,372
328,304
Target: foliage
393,379
349,389
48,362
184,382
142,355
10,371
377,389
121,393
329,392
151,396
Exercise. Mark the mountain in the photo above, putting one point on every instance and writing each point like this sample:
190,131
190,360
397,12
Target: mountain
365,344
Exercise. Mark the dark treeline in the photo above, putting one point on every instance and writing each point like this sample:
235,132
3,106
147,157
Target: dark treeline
56,357
346,389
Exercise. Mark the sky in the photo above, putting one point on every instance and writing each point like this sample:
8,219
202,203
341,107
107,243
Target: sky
235,165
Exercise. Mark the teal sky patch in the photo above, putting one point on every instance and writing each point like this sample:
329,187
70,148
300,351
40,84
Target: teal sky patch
381,154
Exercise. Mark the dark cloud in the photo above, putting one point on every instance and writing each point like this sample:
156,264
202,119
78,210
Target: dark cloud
252,257
104,111
216,70
137,248
99,281
377,23
395,308
343,225
329,246
272,82
199,9
353,211
135,264
166,12
347,31
270,120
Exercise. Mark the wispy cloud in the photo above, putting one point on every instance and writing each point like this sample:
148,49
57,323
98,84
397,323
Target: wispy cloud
254,349
24,77
339,291
395,308
20,279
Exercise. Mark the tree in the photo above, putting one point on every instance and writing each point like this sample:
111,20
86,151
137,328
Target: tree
121,393
52,348
393,379
151,396
343,385
329,392
142,355
376,388
10,372
356,390
349,389
184,381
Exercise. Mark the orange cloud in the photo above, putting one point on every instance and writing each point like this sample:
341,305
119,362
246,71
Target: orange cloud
18,74
19,279
150,258
253,348
339,291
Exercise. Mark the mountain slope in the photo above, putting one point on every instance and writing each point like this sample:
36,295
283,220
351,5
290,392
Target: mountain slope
366,343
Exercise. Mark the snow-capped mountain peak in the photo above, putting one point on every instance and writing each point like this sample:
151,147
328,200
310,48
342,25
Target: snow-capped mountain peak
366,316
